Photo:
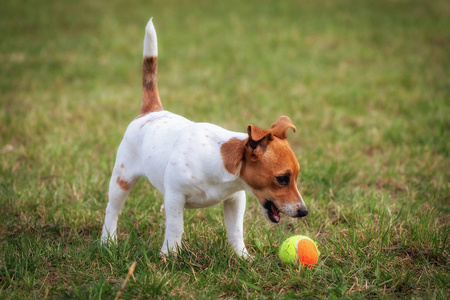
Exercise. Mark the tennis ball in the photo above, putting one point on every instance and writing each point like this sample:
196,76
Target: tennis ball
299,249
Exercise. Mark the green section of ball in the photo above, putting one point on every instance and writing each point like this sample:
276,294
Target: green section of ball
288,251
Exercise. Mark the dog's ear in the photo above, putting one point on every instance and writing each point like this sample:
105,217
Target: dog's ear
280,127
232,153
258,139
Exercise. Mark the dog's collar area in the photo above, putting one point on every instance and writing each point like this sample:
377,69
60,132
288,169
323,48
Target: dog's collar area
272,211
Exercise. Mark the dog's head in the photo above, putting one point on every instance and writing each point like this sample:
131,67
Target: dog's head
268,166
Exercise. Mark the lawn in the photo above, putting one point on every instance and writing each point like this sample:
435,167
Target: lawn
367,83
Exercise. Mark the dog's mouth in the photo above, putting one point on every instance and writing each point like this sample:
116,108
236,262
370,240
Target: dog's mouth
272,212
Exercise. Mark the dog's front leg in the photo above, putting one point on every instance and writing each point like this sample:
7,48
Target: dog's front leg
174,206
233,210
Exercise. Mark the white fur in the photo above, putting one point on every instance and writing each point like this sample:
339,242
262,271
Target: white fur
182,160
150,40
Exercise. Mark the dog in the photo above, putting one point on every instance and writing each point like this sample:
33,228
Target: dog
197,165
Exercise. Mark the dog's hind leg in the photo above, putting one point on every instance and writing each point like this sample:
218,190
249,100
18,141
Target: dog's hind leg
120,185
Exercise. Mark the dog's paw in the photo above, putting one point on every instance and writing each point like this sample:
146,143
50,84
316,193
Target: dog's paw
107,240
249,257
245,255
169,251
164,256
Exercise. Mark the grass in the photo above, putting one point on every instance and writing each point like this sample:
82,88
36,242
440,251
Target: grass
367,84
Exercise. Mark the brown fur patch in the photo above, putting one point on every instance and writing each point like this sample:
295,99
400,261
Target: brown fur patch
124,185
232,153
150,97
256,134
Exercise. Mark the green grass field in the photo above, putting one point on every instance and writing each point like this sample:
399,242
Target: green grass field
367,83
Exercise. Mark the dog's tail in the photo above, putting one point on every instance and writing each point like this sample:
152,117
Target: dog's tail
150,97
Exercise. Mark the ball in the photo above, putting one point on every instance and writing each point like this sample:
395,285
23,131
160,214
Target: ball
299,249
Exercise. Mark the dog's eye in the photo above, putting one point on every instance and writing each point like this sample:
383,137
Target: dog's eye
283,180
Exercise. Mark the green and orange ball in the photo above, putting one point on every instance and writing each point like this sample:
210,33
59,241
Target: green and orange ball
299,250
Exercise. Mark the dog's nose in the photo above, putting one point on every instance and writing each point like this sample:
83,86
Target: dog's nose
301,213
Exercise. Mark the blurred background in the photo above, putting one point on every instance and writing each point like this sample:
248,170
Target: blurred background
366,83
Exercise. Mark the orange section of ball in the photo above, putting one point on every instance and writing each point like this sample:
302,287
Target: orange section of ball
307,253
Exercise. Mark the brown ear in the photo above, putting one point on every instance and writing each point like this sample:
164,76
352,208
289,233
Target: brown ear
255,133
280,127
232,153
258,139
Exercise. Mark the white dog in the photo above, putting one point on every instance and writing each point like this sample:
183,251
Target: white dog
197,165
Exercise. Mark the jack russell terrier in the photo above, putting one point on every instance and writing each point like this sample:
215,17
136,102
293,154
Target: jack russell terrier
196,165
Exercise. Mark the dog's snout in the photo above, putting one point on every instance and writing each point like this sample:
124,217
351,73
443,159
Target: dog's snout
301,213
